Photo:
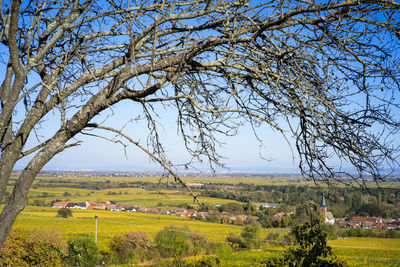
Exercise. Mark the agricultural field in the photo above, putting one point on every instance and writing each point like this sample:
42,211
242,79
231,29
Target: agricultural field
354,257
133,196
268,180
365,251
355,251
153,179
111,223
127,190
228,258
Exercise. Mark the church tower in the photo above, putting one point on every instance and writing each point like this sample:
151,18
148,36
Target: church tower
322,208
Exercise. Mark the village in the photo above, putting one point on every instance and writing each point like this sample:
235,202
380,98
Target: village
357,221
238,219
112,206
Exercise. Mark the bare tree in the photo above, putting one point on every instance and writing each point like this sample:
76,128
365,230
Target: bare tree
329,70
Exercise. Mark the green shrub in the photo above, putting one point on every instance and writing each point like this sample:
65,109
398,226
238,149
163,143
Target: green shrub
130,247
172,241
64,212
251,235
198,243
224,252
119,252
37,247
234,241
138,240
271,239
82,251
312,248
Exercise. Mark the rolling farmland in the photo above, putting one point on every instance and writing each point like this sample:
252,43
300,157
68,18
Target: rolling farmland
355,251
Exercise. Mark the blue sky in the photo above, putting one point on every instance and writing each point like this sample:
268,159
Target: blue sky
240,152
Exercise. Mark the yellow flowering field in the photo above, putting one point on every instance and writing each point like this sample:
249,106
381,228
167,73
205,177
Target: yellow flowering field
111,223
355,251
365,251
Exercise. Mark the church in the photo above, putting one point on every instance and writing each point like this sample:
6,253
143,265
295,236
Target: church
327,215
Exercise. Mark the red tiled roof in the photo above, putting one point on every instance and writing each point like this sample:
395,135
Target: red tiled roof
379,225
351,224
62,203
364,219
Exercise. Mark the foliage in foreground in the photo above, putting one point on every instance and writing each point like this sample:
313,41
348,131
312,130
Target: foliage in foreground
129,247
312,248
172,241
175,242
37,247
82,251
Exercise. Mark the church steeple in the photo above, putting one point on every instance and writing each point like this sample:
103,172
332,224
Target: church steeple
323,201
322,208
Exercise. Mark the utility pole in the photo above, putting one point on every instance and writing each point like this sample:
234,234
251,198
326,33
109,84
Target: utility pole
95,235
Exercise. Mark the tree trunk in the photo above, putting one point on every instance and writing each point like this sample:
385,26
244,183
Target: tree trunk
19,198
